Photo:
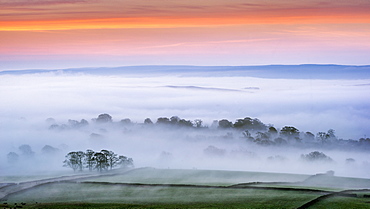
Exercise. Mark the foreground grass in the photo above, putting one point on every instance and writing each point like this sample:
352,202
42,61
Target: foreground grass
343,203
143,206
163,196
120,189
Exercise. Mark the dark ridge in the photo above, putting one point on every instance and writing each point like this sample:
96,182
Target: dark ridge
310,71
201,88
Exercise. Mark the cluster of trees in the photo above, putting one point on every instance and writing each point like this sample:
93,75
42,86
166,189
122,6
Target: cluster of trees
107,119
251,128
26,152
316,156
100,161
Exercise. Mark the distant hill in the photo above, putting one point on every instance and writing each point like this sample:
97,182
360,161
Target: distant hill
308,71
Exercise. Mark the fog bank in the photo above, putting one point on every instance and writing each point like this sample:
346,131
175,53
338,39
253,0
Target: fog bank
308,104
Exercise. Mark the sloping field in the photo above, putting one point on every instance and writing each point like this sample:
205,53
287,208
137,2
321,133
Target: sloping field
199,177
164,188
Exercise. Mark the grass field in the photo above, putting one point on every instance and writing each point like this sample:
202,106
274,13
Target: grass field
199,177
164,188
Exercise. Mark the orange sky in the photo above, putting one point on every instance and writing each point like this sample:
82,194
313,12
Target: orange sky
72,32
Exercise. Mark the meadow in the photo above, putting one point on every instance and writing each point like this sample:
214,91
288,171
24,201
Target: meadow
177,188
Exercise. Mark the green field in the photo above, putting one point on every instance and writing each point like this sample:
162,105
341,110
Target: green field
199,177
165,188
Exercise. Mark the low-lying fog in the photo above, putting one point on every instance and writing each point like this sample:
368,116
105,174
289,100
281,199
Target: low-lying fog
309,105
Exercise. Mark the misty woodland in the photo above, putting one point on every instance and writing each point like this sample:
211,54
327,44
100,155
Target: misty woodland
250,129
247,130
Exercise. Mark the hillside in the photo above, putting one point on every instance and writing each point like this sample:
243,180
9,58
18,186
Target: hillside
166,188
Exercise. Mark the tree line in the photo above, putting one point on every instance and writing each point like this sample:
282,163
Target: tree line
100,161
252,129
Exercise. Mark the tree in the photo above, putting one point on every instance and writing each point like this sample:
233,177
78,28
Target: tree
262,139
73,123
125,161
74,160
49,150
258,125
331,134
83,122
364,141
185,123
326,137
104,118
174,120
224,124
80,157
248,135
12,157
198,123
148,121
112,158
163,120
214,151
272,131
89,160
26,150
322,137
289,132
101,161
316,156
126,121
309,136
76,124
245,123
280,141
250,124
261,135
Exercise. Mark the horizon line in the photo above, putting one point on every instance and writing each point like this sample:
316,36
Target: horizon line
169,65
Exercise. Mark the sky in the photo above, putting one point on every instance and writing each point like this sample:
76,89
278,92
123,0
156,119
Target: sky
56,34
47,34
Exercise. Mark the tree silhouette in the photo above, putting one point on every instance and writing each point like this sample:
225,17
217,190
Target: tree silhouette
322,137
224,123
74,160
198,123
289,132
26,150
148,121
112,158
163,120
316,156
125,161
104,118
250,124
89,159
101,161
12,157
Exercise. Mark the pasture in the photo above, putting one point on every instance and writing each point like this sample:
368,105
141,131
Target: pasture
167,188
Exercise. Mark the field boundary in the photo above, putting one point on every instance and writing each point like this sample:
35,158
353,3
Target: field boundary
12,188
344,193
